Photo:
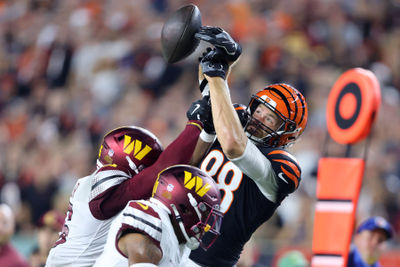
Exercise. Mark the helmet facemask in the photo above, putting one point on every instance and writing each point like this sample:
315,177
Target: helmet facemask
193,199
285,103
210,219
260,133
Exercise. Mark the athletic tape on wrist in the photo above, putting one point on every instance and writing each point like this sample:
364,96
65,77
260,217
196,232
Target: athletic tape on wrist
206,137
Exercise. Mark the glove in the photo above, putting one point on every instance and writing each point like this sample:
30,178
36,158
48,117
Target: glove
203,81
208,50
200,110
243,113
226,46
213,66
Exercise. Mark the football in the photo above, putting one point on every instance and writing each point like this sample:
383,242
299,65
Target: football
177,35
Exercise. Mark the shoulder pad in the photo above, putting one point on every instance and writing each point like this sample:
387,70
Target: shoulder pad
106,177
286,168
140,216
144,207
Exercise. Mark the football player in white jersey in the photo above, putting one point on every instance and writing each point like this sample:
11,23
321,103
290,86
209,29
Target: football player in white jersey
129,160
164,229
83,235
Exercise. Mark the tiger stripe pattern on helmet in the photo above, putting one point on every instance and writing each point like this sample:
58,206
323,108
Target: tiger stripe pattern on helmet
290,105
297,111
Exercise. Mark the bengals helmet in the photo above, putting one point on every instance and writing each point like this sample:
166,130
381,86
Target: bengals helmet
129,147
289,105
193,199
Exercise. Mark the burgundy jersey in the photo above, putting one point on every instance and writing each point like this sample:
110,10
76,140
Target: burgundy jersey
113,199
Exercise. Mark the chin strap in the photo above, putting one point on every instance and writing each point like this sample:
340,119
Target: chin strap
191,242
132,165
99,164
194,203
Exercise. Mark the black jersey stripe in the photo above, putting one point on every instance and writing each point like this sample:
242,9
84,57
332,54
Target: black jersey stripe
293,167
282,154
106,179
328,255
143,221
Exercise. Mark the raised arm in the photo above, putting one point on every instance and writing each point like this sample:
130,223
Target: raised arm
227,125
214,66
112,200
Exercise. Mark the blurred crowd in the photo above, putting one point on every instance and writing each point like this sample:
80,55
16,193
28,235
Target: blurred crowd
72,70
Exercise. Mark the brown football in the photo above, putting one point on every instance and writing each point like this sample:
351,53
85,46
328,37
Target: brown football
177,35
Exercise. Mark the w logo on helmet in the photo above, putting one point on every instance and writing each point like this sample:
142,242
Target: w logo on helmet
195,181
136,147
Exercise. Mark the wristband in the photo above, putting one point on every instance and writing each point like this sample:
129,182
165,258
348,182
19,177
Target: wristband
204,88
206,137
198,124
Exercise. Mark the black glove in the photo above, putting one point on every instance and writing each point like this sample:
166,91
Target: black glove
200,110
203,83
213,66
208,50
226,46
243,113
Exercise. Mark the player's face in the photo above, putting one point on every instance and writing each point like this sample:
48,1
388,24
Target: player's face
6,227
265,116
371,244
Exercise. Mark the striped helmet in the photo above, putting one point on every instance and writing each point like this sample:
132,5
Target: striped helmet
289,105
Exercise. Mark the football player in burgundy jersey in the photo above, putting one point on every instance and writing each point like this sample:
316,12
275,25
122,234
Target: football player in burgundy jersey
163,229
128,163
248,161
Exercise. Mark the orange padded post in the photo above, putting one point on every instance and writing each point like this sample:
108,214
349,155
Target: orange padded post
350,113
338,186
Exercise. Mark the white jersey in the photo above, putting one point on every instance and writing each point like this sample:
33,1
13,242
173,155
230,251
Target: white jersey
150,218
83,236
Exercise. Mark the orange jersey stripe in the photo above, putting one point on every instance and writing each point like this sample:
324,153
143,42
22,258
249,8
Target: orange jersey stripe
291,176
290,164
283,152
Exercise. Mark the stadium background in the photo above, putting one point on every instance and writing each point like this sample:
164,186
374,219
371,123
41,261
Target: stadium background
72,70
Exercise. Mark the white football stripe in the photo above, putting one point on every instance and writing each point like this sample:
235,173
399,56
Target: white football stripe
146,223
334,206
327,261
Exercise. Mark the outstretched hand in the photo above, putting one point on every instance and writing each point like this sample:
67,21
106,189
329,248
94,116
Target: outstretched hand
219,38
213,66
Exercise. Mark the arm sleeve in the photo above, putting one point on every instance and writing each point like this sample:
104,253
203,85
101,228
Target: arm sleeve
112,201
256,166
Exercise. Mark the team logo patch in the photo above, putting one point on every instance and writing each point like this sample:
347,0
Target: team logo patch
381,222
167,195
170,187
136,147
196,183
144,207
